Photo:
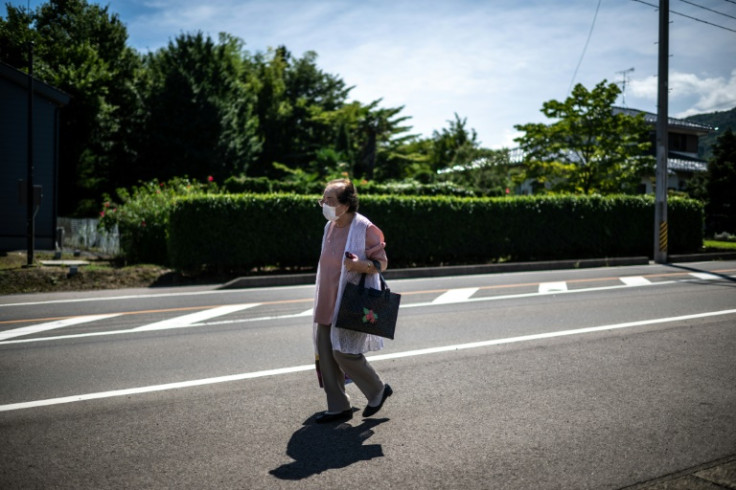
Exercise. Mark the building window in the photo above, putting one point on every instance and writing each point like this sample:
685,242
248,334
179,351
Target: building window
686,143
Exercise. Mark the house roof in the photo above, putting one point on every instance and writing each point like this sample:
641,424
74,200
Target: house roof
672,123
43,89
675,164
683,163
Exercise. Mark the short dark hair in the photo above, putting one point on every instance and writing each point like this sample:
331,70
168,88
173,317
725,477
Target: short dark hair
349,194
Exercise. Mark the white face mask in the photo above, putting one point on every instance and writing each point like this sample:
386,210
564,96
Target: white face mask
329,212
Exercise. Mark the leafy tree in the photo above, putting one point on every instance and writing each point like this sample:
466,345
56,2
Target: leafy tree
342,146
306,124
366,141
291,94
721,181
453,146
81,49
200,119
415,163
380,137
589,149
15,34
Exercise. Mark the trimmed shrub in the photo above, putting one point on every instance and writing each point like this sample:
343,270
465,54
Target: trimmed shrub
686,223
245,231
256,230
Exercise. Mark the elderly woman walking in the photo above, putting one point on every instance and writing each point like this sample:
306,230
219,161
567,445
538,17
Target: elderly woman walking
351,246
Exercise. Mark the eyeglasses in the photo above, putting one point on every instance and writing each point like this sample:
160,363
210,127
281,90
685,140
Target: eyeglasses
327,201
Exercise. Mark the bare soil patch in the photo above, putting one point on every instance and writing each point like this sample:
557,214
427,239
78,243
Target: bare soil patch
16,277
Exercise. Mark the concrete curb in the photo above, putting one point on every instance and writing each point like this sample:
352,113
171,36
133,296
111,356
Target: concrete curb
703,256
464,270
459,270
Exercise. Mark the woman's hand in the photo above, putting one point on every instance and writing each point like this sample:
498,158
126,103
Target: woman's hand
352,264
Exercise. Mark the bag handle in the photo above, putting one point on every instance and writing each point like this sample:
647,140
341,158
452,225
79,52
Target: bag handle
384,285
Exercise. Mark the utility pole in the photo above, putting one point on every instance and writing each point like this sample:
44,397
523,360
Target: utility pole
660,203
30,221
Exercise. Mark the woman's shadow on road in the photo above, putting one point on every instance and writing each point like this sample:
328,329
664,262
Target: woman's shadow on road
316,448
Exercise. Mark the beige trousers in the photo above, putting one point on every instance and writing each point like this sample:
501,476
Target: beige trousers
334,365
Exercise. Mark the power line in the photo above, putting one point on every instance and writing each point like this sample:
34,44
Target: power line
708,9
688,16
585,48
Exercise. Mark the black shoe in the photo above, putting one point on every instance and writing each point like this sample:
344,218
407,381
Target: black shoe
387,392
326,418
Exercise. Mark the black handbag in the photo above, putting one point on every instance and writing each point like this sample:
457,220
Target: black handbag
369,310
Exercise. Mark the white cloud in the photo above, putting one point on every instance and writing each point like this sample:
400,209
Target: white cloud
645,88
713,94
689,93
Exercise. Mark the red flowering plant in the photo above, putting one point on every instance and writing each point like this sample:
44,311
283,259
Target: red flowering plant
142,214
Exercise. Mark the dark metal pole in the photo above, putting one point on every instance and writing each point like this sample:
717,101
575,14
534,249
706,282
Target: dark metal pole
660,204
30,225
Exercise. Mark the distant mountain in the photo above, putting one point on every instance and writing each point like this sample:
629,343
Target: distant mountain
720,121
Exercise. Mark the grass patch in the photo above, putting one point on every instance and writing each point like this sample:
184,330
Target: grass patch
715,245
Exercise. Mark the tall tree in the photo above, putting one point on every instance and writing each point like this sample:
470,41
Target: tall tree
589,148
453,145
81,49
380,137
201,119
291,94
369,141
15,34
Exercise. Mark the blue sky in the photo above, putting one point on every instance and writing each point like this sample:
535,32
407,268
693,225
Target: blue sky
494,62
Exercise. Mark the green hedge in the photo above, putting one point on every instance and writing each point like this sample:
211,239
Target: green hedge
256,230
245,230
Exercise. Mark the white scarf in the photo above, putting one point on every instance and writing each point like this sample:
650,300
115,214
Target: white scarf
349,341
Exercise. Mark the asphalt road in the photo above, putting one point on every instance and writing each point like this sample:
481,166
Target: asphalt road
595,378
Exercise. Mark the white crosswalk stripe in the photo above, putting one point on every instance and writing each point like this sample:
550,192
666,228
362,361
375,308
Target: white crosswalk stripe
635,281
42,327
200,316
552,287
704,276
455,296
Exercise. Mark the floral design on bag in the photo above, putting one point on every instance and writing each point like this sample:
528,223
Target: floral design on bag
369,316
